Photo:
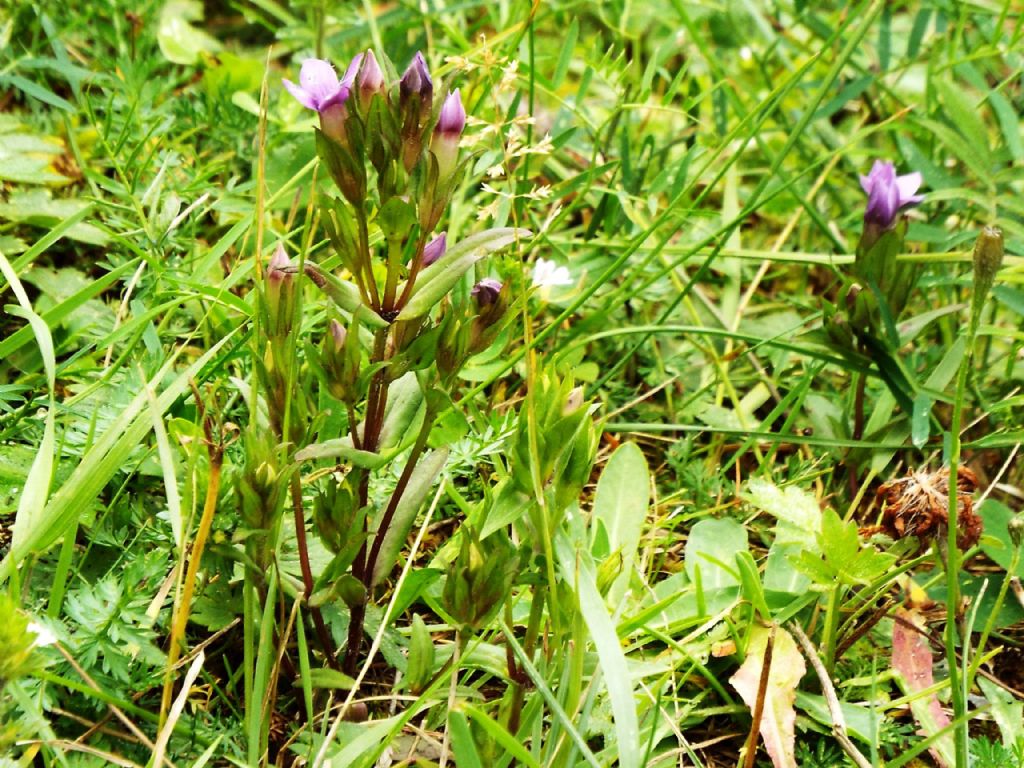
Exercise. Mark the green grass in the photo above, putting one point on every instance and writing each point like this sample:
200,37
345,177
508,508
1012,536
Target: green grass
695,167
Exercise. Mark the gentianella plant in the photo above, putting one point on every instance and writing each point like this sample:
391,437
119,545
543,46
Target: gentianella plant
404,317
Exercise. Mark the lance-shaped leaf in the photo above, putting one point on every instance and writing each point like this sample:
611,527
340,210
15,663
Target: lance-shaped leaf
778,719
344,295
435,281
420,483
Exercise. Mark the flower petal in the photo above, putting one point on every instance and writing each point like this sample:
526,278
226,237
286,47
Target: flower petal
300,95
320,81
908,186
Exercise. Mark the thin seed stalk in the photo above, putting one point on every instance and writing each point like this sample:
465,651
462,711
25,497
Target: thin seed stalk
184,607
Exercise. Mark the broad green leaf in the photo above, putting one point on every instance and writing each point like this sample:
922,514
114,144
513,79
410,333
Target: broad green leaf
996,516
180,41
620,504
919,420
797,511
778,721
1006,710
435,281
404,405
711,550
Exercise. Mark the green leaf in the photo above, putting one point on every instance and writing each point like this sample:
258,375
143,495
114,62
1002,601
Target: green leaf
180,41
462,741
107,456
435,281
416,492
711,550
996,543
920,420
620,504
578,569
330,678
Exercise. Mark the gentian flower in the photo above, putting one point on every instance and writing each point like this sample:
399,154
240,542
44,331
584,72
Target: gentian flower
548,275
320,89
486,291
445,141
888,193
435,249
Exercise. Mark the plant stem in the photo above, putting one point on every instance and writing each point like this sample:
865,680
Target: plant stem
529,643
953,564
307,574
831,628
396,495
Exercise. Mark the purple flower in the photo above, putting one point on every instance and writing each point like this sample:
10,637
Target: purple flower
435,249
452,119
416,81
319,87
888,193
486,291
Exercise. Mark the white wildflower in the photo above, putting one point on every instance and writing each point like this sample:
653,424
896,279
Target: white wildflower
548,275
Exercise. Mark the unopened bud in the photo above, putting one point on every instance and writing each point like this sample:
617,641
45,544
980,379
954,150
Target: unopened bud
988,258
435,249
370,80
486,291
340,360
416,95
573,402
280,293
445,142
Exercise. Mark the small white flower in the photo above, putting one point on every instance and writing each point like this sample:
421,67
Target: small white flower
548,275
44,636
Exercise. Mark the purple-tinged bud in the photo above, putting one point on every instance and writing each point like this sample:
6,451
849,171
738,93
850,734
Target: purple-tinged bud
416,96
319,87
370,79
435,249
444,144
452,119
338,335
888,193
416,83
492,303
340,360
280,293
486,291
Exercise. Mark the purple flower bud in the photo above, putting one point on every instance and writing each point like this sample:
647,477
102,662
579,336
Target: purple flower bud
280,294
319,87
371,77
452,119
338,335
486,291
445,142
416,81
888,193
280,267
435,249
